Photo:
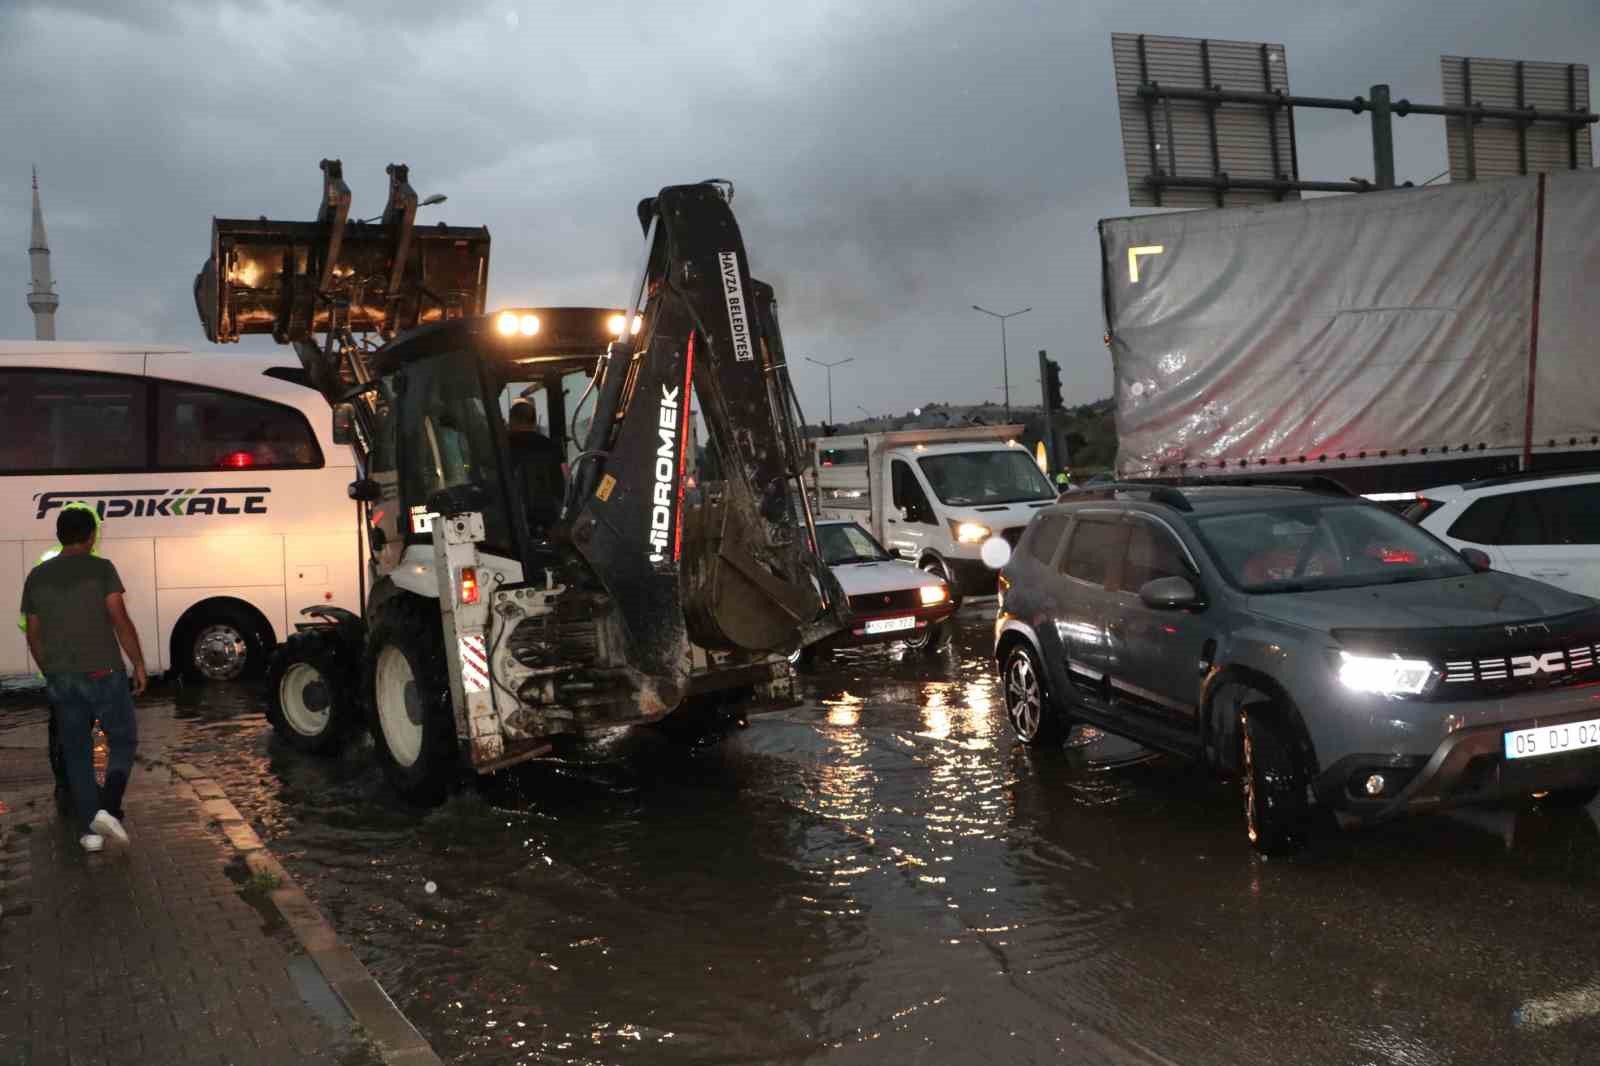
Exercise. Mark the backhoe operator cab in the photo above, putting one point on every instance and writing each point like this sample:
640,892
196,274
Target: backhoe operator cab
538,566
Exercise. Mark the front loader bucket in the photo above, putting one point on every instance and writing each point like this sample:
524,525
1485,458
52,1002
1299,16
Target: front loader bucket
338,277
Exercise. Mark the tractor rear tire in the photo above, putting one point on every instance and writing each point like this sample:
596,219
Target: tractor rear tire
311,691
406,690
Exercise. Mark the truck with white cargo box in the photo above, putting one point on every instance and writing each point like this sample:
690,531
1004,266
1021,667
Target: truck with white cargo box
1392,340
933,496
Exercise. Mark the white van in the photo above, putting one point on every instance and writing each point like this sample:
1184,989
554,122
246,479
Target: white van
933,496
223,497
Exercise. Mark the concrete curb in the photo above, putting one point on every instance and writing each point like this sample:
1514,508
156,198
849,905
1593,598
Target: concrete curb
396,1039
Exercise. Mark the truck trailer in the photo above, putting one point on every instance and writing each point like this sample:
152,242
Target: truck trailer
1391,340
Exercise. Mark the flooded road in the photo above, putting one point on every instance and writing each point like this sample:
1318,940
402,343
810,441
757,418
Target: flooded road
882,876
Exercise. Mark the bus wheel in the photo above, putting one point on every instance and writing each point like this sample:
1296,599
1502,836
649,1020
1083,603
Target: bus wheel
311,692
221,643
406,689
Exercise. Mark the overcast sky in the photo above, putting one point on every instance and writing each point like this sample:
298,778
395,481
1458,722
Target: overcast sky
895,162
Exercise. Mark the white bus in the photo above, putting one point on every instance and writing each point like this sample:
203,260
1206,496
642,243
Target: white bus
222,494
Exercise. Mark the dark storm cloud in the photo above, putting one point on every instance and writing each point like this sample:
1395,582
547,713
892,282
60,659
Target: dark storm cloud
895,163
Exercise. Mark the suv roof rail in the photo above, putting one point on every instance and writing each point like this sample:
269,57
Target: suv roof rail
1170,490
1319,483
1159,492
1528,475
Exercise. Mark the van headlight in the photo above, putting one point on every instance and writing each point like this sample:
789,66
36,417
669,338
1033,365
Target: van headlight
970,532
1385,675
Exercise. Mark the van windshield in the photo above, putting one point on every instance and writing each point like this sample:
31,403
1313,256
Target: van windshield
1323,546
966,479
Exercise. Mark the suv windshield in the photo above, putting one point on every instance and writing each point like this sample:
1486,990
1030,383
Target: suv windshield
848,543
1320,546
964,479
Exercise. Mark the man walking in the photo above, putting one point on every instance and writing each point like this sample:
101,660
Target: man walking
76,620
58,764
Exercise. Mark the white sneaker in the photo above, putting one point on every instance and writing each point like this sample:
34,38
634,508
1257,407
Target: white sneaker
105,823
92,841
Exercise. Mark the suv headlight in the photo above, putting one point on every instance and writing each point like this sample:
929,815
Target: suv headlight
1387,675
970,532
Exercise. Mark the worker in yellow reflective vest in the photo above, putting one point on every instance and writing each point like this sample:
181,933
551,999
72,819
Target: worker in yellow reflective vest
57,761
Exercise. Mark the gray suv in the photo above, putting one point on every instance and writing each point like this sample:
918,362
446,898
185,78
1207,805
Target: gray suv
1335,658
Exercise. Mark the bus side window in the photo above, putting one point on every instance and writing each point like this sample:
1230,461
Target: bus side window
208,429
63,420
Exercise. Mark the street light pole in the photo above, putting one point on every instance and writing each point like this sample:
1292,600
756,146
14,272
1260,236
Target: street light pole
1005,369
829,368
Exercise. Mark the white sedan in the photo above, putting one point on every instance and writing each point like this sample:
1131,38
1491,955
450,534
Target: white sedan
890,599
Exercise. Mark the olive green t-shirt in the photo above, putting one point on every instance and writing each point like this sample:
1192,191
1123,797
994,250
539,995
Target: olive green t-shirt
68,593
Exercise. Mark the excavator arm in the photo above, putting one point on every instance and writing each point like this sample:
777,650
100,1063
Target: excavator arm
730,564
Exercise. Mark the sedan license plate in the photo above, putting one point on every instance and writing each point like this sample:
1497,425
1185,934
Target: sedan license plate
890,625
1552,739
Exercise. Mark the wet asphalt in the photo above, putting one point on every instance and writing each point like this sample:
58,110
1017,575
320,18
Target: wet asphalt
881,875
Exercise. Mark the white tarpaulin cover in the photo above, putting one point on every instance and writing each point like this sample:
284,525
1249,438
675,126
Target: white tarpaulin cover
1380,323
1566,396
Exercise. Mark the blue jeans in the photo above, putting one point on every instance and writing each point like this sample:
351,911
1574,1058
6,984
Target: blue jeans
80,701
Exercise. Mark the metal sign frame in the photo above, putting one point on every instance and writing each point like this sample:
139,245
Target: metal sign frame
1534,89
1151,93
1247,155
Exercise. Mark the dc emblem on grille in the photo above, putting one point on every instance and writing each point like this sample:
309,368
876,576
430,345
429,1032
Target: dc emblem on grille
1582,657
1553,662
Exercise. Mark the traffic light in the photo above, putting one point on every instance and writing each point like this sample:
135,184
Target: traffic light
1052,385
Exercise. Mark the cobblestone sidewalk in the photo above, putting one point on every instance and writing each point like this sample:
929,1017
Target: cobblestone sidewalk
168,951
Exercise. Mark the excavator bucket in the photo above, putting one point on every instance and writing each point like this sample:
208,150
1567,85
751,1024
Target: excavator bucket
337,276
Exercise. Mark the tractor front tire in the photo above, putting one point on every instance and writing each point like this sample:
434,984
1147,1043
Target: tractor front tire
311,691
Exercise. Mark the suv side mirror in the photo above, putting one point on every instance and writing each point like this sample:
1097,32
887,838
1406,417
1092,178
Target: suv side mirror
366,490
1479,561
1169,593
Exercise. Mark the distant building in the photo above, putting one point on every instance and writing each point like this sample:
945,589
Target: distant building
42,299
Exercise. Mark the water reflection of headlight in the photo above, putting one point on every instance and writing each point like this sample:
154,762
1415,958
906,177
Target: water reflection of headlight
845,716
935,722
